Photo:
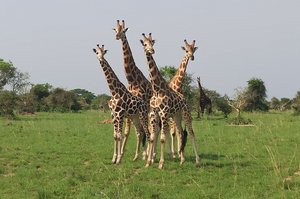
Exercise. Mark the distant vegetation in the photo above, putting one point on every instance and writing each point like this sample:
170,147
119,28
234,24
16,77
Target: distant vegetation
19,96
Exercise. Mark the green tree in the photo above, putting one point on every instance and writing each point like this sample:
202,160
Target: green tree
256,96
26,103
222,105
101,102
62,101
275,103
8,101
84,94
39,93
19,82
296,104
285,104
7,71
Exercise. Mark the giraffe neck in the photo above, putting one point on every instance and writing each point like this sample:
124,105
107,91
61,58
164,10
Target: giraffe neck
202,94
116,87
177,81
157,81
132,72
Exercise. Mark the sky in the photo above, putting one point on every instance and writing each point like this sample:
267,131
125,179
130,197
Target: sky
237,39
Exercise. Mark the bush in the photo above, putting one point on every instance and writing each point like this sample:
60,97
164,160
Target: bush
8,101
62,101
296,104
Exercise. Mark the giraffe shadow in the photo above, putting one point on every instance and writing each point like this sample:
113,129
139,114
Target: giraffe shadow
218,160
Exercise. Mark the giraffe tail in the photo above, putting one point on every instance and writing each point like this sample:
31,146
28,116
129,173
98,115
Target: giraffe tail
183,139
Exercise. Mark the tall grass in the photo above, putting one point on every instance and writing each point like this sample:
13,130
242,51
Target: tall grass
53,155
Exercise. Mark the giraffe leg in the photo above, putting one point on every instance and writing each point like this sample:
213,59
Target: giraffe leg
143,118
156,125
126,134
114,159
139,136
153,132
119,123
172,144
165,129
179,133
188,121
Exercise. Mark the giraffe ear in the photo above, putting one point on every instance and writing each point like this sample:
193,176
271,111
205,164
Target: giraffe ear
183,48
125,29
105,51
153,41
195,49
95,51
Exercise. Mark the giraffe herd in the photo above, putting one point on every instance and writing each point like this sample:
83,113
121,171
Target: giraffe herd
153,106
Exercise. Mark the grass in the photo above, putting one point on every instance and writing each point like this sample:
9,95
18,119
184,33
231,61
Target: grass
53,155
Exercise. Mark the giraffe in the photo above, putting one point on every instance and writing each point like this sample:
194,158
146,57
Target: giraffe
165,104
122,103
138,84
177,81
204,100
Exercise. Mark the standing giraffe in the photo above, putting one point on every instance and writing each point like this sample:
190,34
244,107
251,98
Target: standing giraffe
204,101
122,103
177,81
165,103
138,84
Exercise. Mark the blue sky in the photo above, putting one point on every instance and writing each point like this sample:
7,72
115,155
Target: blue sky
237,40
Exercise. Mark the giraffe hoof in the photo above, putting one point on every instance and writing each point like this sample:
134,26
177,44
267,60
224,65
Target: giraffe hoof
114,159
148,164
119,160
135,158
161,165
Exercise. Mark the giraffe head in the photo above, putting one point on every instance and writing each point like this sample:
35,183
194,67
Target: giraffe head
189,49
100,52
148,44
120,30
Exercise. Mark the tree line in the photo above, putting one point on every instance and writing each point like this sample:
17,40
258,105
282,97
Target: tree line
18,96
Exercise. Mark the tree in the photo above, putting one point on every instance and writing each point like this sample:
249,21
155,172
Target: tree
285,104
256,96
222,105
39,93
101,102
275,103
7,71
84,94
238,101
168,73
26,103
296,104
19,82
8,100
62,101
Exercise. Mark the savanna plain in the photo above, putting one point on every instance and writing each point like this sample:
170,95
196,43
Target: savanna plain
68,155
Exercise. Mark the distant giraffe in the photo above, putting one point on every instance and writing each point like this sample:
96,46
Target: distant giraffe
177,82
204,100
122,103
165,104
138,84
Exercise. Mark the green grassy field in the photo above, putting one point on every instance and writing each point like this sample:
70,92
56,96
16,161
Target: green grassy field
52,155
